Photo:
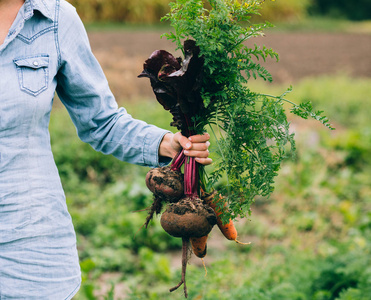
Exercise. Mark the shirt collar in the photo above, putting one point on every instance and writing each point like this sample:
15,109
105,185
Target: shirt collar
40,5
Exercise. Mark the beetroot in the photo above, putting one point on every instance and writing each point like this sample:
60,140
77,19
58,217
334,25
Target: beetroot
188,218
165,183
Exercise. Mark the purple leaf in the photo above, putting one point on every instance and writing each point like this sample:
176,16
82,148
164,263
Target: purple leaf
177,84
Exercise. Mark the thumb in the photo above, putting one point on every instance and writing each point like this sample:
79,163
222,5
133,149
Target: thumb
183,141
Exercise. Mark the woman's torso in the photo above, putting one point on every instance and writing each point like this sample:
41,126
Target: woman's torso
38,258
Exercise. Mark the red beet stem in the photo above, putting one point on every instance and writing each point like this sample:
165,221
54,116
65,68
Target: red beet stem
178,161
191,177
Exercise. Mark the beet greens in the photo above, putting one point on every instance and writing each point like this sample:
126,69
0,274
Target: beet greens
251,129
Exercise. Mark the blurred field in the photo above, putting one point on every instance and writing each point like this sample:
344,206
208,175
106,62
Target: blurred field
302,55
310,240
151,11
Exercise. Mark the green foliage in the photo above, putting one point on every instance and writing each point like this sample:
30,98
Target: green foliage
343,97
340,273
305,110
253,136
343,8
285,10
314,229
128,11
150,11
220,32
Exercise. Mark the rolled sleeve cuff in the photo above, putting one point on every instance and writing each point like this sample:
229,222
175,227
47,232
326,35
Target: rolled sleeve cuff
151,149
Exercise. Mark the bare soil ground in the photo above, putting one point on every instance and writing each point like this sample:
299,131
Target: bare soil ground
122,54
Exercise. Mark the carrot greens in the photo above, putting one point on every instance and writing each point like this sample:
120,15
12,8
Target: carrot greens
251,129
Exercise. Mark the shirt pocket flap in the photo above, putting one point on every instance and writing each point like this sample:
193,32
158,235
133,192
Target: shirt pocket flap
34,62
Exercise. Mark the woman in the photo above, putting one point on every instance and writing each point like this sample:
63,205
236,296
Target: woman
44,48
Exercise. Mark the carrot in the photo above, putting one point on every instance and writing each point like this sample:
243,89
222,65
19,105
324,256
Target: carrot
228,229
199,246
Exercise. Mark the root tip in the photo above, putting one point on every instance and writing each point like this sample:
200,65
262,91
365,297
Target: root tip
179,284
238,242
203,262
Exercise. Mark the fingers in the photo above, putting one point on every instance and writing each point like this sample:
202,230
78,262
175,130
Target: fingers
183,141
195,146
199,138
198,147
196,142
204,161
201,157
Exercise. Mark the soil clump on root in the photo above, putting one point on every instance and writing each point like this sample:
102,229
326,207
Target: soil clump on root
165,183
188,218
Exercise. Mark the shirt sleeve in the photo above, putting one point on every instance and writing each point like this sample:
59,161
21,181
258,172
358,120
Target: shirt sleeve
83,89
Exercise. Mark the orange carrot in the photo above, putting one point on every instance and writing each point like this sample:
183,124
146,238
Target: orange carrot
228,229
199,246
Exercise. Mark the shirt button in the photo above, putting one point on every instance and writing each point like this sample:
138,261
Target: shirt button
35,63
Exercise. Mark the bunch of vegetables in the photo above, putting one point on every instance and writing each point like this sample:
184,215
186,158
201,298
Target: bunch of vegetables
207,90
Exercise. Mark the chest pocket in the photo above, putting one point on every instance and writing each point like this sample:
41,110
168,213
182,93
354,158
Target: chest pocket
33,73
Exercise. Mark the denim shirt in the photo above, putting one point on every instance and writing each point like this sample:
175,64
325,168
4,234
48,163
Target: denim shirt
47,51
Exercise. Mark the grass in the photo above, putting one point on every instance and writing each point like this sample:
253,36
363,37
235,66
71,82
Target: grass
323,24
310,240
342,97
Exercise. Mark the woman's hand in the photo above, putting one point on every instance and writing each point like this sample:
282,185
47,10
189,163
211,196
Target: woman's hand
195,146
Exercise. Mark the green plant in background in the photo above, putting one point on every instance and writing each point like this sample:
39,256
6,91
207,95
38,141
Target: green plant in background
289,11
343,97
128,11
319,213
251,129
150,11
342,9
285,10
